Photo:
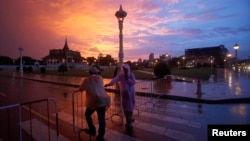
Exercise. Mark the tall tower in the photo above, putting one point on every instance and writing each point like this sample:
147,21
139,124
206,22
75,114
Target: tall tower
120,15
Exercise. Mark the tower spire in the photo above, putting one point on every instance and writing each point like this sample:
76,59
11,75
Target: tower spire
66,47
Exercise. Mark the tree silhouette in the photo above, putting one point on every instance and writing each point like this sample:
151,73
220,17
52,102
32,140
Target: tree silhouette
161,69
4,60
62,68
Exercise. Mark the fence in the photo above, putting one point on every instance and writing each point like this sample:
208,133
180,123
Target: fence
145,94
32,117
78,107
38,120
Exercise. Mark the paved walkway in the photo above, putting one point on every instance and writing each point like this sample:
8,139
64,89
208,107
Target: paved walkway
170,120
226,87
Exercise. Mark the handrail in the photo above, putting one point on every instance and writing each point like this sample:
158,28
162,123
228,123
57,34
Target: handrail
77,107
9,106
73,109
144,94
20,114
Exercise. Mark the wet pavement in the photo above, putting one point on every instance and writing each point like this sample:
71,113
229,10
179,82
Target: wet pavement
225,85
184,117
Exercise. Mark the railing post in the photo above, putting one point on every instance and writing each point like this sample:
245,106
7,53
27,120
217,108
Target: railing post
30,110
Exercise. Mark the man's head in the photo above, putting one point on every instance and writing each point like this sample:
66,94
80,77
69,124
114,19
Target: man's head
94,70
126,68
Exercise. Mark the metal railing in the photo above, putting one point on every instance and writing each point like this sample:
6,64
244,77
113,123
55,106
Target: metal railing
78,110
145,93
33,117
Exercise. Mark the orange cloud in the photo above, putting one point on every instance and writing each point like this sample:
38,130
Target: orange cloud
92,28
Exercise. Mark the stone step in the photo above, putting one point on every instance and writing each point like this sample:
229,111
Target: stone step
40,131
150,127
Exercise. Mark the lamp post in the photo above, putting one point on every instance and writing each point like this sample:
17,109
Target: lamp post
21,60
236,47
99,57
229,61
166,57
183,61
120,15
211,61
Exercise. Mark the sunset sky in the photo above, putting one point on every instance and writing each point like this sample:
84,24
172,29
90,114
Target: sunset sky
151,26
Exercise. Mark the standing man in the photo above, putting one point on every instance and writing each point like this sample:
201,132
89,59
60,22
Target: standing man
93,85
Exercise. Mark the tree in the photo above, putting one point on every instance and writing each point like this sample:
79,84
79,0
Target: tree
29,69
132,65
91,60
161,69
4,60
174,62
106,61
62,68
42,70
26,60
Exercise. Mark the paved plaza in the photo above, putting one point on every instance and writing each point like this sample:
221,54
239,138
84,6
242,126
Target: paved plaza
179,115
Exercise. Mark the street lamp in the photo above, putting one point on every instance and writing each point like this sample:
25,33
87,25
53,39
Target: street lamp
183,61
21,60
211,61
236,47
120,15
166,57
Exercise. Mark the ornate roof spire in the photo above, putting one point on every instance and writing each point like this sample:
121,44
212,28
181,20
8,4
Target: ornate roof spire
66,45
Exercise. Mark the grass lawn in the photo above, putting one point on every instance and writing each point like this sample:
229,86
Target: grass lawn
202,73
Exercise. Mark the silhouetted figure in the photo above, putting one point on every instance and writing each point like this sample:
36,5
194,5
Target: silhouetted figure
93,85
126,81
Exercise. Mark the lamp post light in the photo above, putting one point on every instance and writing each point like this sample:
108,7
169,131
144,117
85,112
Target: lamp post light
120,15
166,57
211,61
229,61
21,60
183,61
236,47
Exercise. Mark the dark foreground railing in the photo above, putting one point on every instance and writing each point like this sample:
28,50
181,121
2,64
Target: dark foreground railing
30,121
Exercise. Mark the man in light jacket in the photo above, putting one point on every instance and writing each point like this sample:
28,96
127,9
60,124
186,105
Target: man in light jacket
93,85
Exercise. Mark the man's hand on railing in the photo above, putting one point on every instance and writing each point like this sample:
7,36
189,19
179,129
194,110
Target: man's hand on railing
106,85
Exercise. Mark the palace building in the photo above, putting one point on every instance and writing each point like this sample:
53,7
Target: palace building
72,59
207,55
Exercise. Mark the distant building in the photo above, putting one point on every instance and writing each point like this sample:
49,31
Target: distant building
56,57
209,56
165,57
151,56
